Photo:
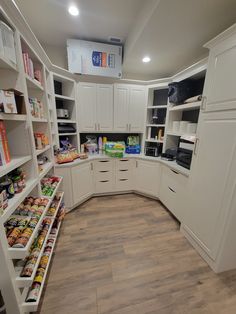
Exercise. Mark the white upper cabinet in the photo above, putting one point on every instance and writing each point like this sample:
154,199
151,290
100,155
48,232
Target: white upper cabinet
104,107
87,106
220,88
129,108
137,103
121,108
95,107
210,186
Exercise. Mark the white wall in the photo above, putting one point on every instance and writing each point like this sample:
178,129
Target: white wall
58,55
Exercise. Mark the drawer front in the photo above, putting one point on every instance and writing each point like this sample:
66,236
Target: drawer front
123,164
104,186
123,184
103,175
103,165
123,174
173,179
169,197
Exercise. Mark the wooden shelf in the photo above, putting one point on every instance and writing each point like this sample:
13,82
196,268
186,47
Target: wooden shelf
16,162
33,306
14,202
7,64
46,168
27,281
20,253
65,121
57,96
39,120
13,116
67,134
156,125
153,141
40,151
32,83
186,107
157,107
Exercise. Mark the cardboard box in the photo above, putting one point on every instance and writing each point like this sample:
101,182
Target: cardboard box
12,101
7,35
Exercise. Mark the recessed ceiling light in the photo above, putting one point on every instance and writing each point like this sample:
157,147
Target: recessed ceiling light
73,10
146,59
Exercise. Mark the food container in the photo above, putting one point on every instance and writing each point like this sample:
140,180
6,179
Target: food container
176,126
191,128
183,126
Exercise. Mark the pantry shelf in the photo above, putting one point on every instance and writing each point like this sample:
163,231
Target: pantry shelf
14,202
46,168
64,97
33,306
20,253
7,64
156,125
67,134
27,281
186,107
39,120
13,117
16,162
153,141
43,150
56,189
65,121
58,206
156,107
32,83
178,134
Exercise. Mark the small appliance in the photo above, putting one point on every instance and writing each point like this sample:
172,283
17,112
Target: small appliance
185,151
66,128
62,114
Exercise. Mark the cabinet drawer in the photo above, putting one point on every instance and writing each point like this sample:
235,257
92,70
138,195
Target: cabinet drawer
174,179
123,174
103,175
103,186
123,164
103,165
123,184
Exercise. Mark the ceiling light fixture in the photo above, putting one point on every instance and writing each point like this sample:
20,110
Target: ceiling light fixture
146,59
73,10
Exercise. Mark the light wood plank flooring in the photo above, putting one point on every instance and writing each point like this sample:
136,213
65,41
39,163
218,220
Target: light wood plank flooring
125,255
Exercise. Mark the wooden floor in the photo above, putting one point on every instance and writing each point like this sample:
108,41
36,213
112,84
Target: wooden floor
125,255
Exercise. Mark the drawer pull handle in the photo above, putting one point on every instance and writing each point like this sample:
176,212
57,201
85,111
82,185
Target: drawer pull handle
176,172
171,189
124,159
102,171
123,170
123,179
104,160
104,181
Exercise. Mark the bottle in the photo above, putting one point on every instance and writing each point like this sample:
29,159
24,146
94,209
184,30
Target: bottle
100,145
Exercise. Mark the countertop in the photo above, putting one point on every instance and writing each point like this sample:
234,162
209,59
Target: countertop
171,164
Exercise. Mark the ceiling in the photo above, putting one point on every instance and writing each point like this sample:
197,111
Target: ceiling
171,32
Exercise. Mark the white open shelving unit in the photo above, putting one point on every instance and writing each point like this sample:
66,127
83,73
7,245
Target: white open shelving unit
20,129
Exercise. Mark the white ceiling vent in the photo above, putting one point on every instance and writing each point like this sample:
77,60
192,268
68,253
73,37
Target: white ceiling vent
115,40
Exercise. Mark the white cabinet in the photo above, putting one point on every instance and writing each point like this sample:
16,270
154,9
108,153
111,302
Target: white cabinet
173,191
121,108
147,177
104,175
220,88
137,102
129,108
104,107
212,181
82,182
124,169
87,95
95,107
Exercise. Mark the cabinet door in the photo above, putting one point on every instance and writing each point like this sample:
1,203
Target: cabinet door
137,102
82,182
209,188
104,107
121,107
87,107
147,177
220,88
